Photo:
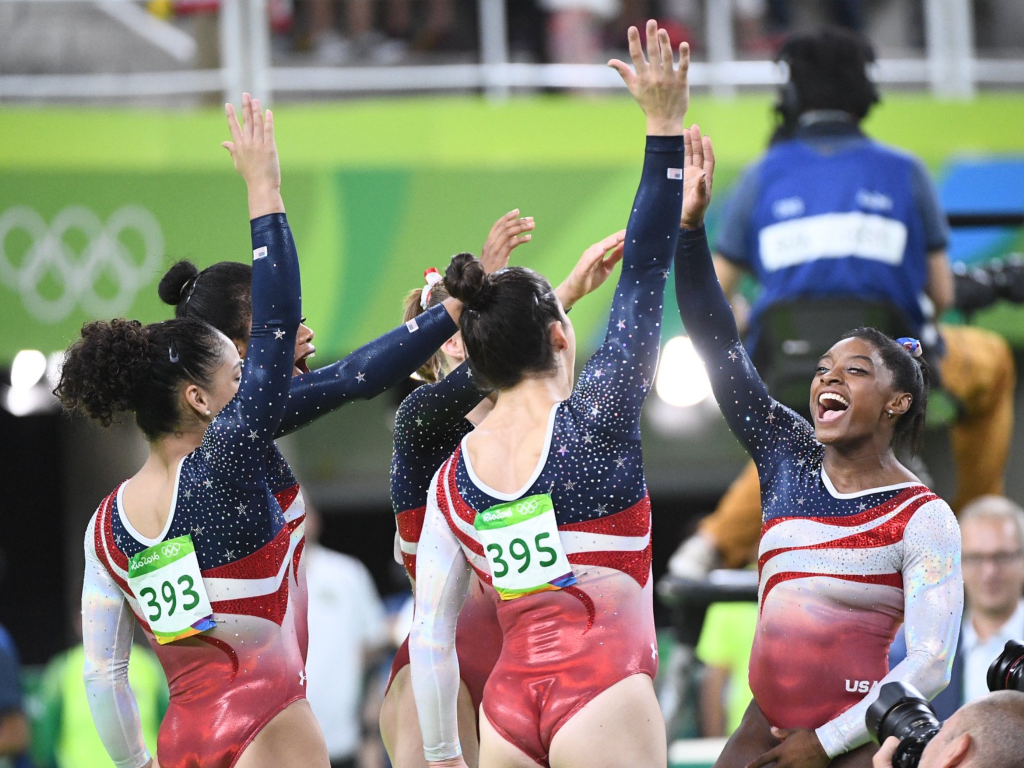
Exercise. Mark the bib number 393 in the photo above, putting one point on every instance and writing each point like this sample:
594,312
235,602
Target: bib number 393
521,544
169,587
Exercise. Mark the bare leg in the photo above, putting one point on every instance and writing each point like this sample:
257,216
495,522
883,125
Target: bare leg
621,726
291,740
400,725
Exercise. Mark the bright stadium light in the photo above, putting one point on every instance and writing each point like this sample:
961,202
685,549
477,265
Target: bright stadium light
682,380
54,365
28,368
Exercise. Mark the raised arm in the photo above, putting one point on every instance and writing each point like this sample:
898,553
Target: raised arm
933,594
367,372
235,443
619,375
388,360
754,417
107,628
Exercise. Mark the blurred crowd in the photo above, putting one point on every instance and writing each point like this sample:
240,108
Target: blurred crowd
337,32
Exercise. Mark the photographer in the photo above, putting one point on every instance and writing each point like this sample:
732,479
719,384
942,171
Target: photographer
987,733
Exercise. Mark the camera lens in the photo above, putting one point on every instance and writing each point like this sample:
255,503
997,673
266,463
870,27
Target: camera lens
901,711
1007,672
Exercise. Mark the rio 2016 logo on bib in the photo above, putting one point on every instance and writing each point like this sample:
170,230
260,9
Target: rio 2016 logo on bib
169,587
522,546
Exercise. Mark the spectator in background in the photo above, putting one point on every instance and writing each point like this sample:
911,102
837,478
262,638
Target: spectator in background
829,212
64,735
574,28
14,731
992,531
347,632
724,648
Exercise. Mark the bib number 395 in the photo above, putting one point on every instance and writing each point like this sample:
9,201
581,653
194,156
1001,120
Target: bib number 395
522,546
169,586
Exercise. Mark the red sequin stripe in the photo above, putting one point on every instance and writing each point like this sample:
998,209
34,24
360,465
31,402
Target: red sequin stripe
588,604
297,557
410,523
882,535
466,512
632,521
223,647
636,565
272,607
116,555
442,501
858,519
101,535
286,497
885,579
264,563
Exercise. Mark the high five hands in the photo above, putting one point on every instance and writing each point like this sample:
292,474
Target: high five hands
698,175
661,90
254,153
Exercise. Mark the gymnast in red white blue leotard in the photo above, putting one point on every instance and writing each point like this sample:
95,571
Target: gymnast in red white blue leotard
572,637
852,544
430,424
233,496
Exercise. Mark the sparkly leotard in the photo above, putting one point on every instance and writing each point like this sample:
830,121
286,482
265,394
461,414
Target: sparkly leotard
238,500
838,571
429,426
562,648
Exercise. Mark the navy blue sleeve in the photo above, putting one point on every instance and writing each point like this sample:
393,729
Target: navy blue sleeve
758,421
367,372
235,444
936,226
10,683
614,383
428,426
734,229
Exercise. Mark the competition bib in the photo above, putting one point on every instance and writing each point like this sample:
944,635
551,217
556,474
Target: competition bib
168,585
521,543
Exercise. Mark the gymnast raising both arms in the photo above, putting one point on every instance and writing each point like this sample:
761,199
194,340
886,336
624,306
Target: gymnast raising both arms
545,500
852,543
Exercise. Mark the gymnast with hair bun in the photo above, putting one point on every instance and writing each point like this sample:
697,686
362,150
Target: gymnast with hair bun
852,543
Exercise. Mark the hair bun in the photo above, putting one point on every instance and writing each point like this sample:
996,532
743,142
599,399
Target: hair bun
466,280
173,284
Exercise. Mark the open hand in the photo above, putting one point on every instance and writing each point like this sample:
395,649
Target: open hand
661,90
254,153
505,236
698,176
800,748
593,268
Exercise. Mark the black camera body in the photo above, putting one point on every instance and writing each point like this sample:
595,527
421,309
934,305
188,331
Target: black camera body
901,711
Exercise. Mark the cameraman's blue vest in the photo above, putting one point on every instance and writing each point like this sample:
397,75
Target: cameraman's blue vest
838,223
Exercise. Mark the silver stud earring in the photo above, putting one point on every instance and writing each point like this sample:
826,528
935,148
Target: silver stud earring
208,412
890,413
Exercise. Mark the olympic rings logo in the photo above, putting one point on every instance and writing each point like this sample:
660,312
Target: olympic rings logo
105,258
170,550
527,506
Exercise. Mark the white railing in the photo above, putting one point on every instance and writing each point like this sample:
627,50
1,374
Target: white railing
949,69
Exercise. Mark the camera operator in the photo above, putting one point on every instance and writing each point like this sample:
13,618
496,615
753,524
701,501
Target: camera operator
987,733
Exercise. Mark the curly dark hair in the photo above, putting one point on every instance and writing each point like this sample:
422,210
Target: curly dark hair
909,374
505,321
123,366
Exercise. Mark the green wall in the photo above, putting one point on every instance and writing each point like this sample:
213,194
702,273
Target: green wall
376,192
